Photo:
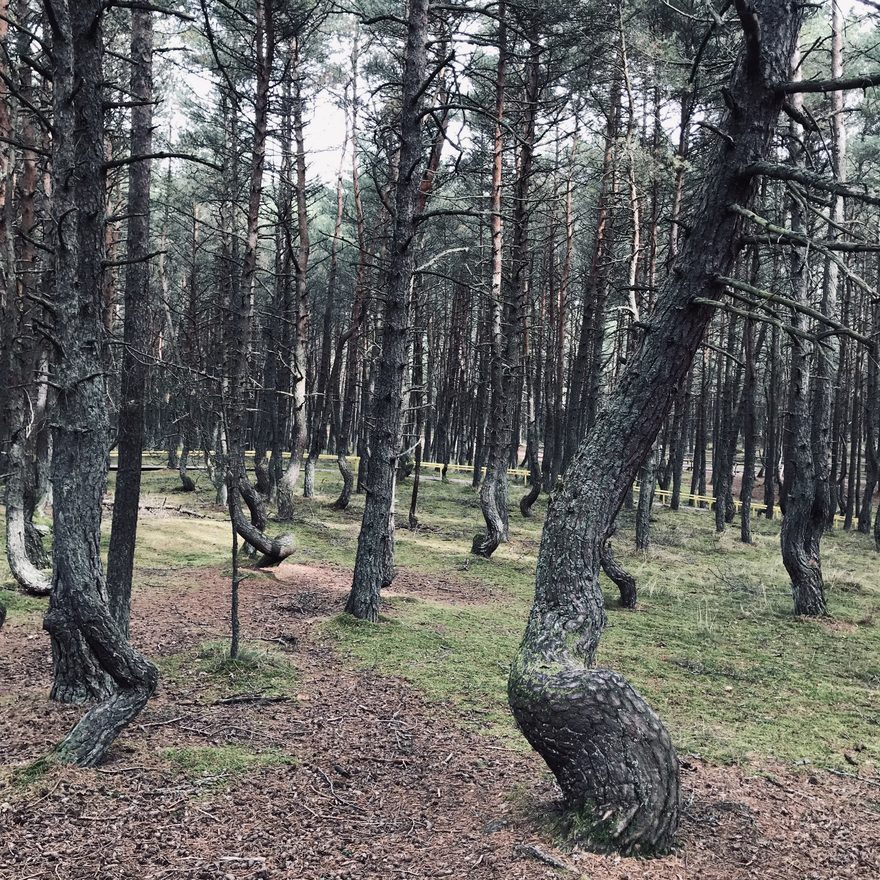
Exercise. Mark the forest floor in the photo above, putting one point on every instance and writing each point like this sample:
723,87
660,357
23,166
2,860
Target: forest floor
334,749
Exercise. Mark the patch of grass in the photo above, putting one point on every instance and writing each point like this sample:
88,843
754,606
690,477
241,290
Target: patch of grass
19,605
32,773
201,762
256,670
714,646
460,655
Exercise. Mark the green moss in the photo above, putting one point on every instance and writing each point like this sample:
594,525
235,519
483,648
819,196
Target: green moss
19,606
200,762
714,646
32,773
256,670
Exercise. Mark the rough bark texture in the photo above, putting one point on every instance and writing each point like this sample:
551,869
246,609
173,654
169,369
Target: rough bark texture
375,553
804,513
648,481
136,332
29,575
93,659
607,748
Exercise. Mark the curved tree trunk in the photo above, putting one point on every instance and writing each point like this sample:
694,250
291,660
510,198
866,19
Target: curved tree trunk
347,474
622,579
186,481
93,659
29,573
536,478
608,750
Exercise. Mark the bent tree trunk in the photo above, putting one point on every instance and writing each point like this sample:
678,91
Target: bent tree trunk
609,751
26,570
623,580
93,659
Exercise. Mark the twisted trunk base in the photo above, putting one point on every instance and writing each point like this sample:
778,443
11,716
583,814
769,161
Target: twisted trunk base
24,547
344,498
262,474
129,679
536,478
493,502
608,750
286,488
254,502
624,581
186,481
273,550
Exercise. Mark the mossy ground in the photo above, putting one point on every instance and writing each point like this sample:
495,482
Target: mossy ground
714,646
222,762
258,670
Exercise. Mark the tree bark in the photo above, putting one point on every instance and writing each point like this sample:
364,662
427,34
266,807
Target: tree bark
287,486
493,489
92,657
137,327
608,750
375,553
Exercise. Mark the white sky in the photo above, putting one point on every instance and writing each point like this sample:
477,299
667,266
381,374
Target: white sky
325,121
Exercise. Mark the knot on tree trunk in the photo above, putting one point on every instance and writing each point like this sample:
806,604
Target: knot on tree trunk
608,750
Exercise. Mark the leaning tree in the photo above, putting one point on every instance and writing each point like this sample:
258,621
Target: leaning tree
609,751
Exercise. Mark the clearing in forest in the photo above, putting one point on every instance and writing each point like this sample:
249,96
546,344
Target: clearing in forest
338,749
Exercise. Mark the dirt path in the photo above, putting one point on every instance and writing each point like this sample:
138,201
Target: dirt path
380,784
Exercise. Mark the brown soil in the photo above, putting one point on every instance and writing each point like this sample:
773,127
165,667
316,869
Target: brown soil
384,785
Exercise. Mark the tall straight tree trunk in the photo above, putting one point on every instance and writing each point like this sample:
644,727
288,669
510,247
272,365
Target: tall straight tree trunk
358,310
323,401
137,328
374,563
828,356
610,753
771,430
92,658
871,419
748,478
493,489
586,378
808,462
299,434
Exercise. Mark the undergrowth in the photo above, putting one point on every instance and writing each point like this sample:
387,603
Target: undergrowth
217,763
256,671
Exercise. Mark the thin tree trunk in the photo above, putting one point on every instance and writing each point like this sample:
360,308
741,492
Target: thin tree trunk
137,327
493,489
287,486
803,522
